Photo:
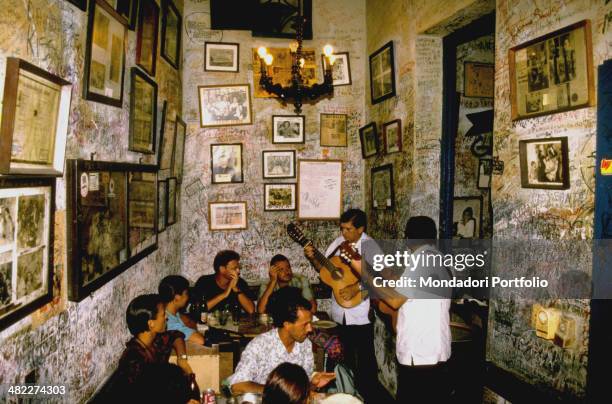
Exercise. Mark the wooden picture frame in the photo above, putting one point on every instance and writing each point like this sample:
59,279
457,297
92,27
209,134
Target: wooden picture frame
478,80
171,197
288,129
382,191
142,211
485,172
552,73
467,205
167,142
341,69
276,164
143,112
279,197
370,144
107,33
320,189
146,36
214,111
172,24
81,4
226,165
161,123
392,135
179,149
334,130
162,205
544,163
221,57
33,134
127,9
227,215
382,74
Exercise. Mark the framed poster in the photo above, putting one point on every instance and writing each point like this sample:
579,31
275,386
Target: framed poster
221,57
278,163
281,69
26,246
279,197
485,171
104,55
382,74
127,9
341,69
544,163
369,140
168,141
383,194
143,113
34,125
319,189
171,202
276,18
146,39
227,216
179,149
142,211
288,129
333,130
467,217
226,163
479,80
162,205
392,134
552,73
227,105
171,33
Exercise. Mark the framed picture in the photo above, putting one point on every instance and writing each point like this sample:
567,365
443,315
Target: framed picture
392,133
485,170
104,55
478,80
171,202
278,197
171,33
382,74
127,9
82,4
552,73
179,149
142,211
319,189
227,216
467,216
34,124
162,205
369,140
333,130
226,163
281,68
167,141
544,163
143,113
146,39
221,57
278,163
288,129
228,105
26,246
341,69
275,18
383,194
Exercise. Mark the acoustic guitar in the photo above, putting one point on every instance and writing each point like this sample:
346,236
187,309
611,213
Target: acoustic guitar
334,271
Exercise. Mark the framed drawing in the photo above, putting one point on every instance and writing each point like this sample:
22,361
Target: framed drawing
288,129
171,202
179,149
467,216
221,57
544,163
383,194
167,142
281,68
278,197
26,246
227,216
34,124
104,55
226,163
162,205
171,33
552,73
369,140
333,130
146,39
228,105
143,113
382,74
278,163
392,134
485,170
478,80
142,211
319,189
82,4
276,18
341,69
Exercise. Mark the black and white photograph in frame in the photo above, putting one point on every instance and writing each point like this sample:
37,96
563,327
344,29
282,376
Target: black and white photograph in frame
382,73
369,140
544,163
383,196
278,163
288,129
226,163
279,197
221,57
341,69
227,215
225,105
467,217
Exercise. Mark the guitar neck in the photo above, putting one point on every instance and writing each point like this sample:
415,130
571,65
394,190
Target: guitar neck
320,257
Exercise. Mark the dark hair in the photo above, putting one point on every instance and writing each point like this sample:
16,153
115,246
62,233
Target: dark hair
140,310
420,228
468,210
284,304
223,258
278,258
161,383
355,216
171,286
287,384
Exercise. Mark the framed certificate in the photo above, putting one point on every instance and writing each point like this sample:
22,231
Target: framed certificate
319,189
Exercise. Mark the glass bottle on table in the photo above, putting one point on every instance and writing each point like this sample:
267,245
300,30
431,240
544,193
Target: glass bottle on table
203,315
194,388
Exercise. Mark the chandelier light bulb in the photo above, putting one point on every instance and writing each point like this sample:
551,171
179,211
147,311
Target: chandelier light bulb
328,50
332,59
302,62
262,52
293,46
268,59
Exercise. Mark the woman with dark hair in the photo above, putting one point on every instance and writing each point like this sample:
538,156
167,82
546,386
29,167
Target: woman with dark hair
174,292
286,384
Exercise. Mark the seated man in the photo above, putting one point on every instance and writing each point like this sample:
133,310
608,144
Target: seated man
174,292
286,342
225,289
280,277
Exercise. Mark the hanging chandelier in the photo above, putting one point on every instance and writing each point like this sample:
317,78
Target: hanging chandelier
297,92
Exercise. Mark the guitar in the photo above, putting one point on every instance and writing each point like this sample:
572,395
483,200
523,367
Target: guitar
334,271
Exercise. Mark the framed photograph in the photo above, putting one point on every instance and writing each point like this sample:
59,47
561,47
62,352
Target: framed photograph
333,130
369,140
26,246
167,141
228,105
544,163
281,68
288,129
552,73
171,33
127,9
162,205
467,217
275,18
319,189
221,57
278,163
34,124
278,197
392,134
478,80
382,74
146,39
485,170
104,55
143,113
142,211
171,202
82,4
179,149
226,163
383,196
227,216
341,69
